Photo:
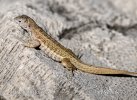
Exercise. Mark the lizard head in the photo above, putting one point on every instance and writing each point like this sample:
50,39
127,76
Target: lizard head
24,21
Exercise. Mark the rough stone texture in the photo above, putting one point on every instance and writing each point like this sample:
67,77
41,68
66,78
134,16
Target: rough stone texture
104,32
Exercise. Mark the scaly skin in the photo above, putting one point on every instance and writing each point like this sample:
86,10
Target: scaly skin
57,51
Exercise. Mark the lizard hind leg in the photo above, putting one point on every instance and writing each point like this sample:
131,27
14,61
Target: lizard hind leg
67,64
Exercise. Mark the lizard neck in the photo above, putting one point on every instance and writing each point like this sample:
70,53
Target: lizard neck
38,32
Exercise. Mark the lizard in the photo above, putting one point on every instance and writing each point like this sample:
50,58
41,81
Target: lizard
56,51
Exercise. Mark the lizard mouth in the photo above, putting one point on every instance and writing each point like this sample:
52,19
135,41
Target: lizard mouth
24,29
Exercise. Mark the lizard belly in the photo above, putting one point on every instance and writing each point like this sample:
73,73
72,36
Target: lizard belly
51,53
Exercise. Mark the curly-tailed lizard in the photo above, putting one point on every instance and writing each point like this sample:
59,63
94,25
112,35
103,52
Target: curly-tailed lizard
56,51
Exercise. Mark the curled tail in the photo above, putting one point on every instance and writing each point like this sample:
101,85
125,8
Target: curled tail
100,70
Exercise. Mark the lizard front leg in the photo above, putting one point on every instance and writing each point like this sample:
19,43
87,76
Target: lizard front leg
32,43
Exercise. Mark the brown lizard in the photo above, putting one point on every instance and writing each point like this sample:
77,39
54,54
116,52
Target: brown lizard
56,51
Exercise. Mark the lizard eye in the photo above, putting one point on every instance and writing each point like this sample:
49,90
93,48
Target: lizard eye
19,21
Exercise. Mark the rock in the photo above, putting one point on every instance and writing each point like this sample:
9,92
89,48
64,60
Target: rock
104,35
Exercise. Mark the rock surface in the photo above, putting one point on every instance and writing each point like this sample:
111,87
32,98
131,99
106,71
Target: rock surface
104,32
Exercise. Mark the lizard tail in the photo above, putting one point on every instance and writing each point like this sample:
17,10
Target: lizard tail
100,70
